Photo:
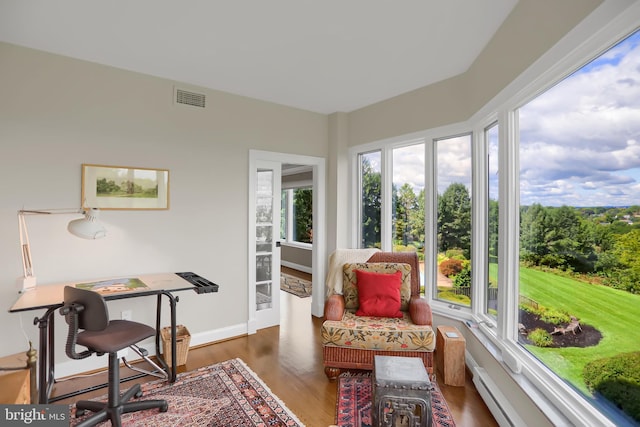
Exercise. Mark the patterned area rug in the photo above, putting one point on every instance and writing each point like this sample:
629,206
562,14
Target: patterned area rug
294,285
224,394
354,403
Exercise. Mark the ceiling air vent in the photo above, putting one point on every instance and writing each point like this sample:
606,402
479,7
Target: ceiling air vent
190,98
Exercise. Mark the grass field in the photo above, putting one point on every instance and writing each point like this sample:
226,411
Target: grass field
615,313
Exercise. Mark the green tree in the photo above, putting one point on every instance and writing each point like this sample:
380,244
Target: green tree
303,212
371,205
493,231
627,248
570,244
406,204
454,219
416,219
601,236
534,228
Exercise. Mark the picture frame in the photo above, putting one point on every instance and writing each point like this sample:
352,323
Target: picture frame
124,188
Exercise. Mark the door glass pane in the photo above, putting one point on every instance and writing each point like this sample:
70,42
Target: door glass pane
371,198
454,219
264,197
264,239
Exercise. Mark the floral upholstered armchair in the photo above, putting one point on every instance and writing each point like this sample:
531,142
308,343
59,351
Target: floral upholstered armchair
374,307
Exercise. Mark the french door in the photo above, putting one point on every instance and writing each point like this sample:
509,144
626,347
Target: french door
264,273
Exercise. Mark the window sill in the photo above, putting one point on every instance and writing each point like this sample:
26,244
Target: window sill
298,245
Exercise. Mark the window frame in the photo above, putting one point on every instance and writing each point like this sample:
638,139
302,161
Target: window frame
586,42
289,220
483,188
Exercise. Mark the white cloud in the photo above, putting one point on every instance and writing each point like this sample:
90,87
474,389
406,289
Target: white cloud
579,140
408,166
454,162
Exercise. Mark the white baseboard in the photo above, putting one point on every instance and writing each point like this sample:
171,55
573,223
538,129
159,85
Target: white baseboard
218,334
75,367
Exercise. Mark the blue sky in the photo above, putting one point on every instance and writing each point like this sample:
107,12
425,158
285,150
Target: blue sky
579,140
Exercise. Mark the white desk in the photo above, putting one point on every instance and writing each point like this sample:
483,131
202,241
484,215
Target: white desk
50,298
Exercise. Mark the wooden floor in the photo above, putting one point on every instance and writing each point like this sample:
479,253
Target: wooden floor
288,359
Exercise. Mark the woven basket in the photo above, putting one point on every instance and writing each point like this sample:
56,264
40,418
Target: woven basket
183,339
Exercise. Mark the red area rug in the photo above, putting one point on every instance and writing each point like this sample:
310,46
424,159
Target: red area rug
225,394
354,403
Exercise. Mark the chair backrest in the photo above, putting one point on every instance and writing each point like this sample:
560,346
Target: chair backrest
410,258
95,315
334,282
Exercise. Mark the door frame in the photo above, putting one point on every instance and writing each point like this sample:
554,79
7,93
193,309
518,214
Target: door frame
318,255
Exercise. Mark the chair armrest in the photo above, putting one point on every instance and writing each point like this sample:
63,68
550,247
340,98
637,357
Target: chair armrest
334,307
420,311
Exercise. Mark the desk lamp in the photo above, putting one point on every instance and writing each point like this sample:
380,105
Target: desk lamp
86,228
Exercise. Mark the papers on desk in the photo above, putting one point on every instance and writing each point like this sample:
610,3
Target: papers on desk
114,286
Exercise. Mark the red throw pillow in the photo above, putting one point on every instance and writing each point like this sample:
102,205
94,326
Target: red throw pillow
379,294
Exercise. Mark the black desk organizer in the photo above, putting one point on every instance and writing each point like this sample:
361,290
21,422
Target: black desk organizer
202,285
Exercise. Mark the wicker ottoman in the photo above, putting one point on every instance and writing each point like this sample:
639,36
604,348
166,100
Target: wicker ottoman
401,392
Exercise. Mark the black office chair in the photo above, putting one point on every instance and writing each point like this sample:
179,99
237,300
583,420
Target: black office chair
87,311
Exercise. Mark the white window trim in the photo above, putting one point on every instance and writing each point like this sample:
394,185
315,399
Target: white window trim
288,221
609,23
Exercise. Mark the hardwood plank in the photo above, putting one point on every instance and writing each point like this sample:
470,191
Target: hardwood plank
288,359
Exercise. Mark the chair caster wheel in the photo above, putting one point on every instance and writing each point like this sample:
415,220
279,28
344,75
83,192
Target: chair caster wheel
164,408
80,412
138,394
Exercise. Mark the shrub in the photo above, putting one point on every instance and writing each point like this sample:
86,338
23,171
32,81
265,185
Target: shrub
463,279
618,379
626,280
455,254
540,338
403,248
555,317
549,315
450,267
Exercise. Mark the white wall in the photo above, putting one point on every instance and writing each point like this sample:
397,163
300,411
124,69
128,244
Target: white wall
532,27
57,113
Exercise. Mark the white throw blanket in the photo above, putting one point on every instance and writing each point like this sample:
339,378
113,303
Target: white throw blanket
336,262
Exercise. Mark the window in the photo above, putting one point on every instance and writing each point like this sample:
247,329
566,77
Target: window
560,234
579,274
303,215
491,295
297,215
408,200
371,200
453,161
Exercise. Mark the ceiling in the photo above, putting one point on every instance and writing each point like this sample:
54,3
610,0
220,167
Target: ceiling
323,56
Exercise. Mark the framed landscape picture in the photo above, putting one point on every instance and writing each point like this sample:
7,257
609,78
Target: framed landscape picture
120,187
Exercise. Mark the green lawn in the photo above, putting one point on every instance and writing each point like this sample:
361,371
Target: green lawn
615,313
